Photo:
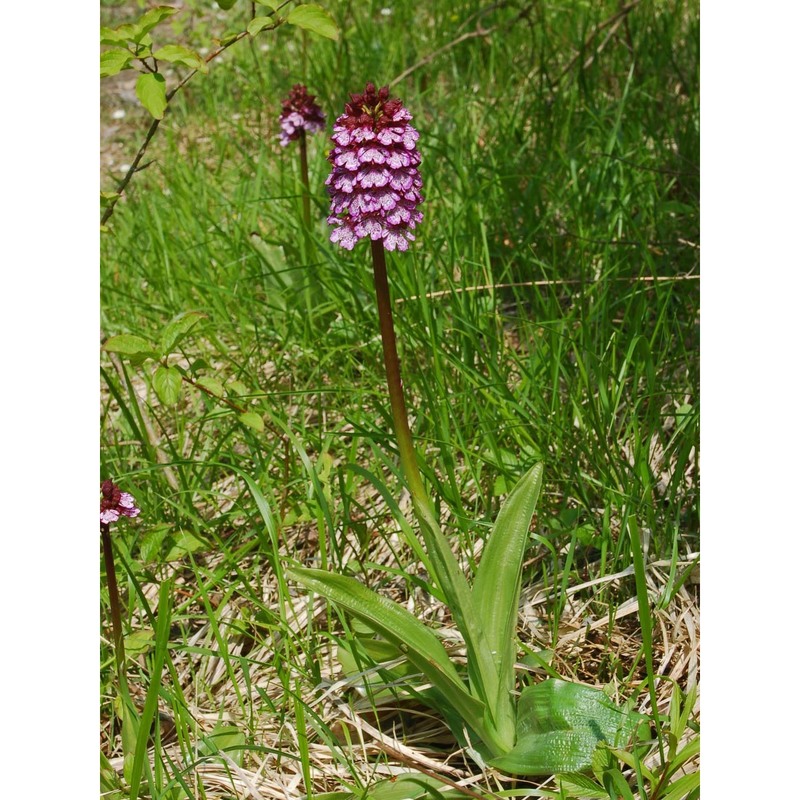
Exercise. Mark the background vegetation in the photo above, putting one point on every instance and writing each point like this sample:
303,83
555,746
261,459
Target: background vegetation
549,311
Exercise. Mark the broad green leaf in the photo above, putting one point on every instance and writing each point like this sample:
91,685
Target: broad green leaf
177,54
152,17
560,724
183,544
257,24
398,626
497,582
127,344
313,18
273,4
411,786
252,420
212,385
226,4
177,328
114,61
237,387
167,382
113,35
151,89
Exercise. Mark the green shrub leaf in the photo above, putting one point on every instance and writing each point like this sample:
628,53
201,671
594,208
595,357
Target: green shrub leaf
127,344
114,61
313,18
559,725
226,4
213,386
151,89
257,24
167,382
252,420
177,328
177,54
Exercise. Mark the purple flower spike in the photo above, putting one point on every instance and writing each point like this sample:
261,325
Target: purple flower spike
115,503
300,113
374,184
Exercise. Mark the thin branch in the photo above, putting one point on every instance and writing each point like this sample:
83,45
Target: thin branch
122,185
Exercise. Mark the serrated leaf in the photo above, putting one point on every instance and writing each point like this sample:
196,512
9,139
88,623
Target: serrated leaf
559,725
177,328
177,54
151,89
390,620
114,61
252,420
213,386
167,382
127,344
313,18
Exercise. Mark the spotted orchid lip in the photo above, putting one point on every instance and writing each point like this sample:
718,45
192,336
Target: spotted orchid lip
374,181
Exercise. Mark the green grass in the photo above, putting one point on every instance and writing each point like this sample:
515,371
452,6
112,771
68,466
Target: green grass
549,310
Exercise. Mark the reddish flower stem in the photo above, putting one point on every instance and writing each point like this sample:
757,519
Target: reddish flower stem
113,598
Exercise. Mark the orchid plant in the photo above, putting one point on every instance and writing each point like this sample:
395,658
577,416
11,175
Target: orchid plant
553,726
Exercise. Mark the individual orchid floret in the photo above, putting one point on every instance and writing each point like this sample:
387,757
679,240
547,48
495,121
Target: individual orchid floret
115,503
374,184
300,113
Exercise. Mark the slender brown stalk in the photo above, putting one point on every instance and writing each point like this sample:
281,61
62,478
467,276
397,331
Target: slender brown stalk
391,360
304,179
113,598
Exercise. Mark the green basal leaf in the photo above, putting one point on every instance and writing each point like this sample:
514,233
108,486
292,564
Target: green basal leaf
167,382
559,725
139,642
127,344
151,89
314,18
411,786
398,626
177,328
212,385
177,54
252,420
114,61
257,24
497,585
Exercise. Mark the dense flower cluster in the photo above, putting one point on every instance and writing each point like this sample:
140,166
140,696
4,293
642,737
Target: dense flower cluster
374,184
115,503
300,112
